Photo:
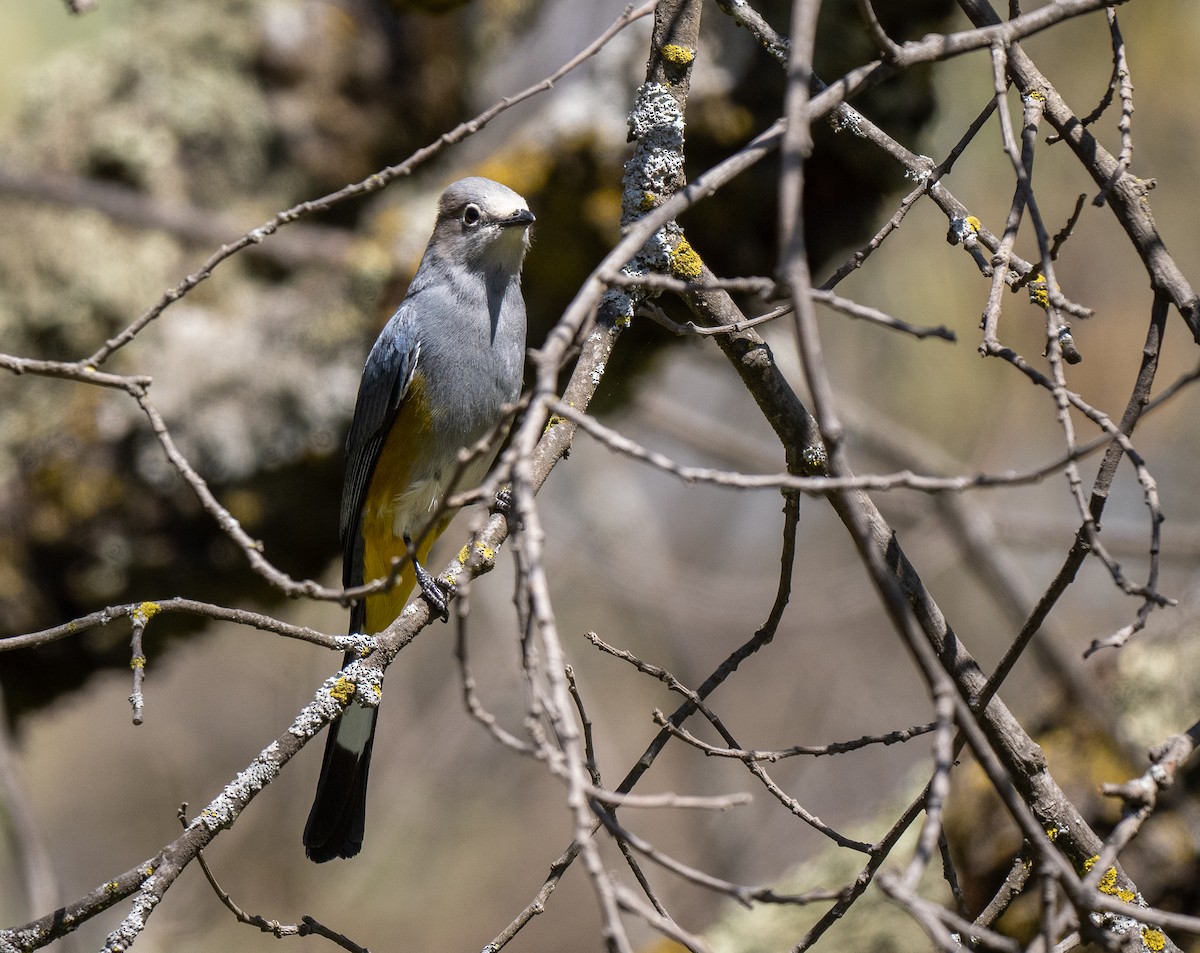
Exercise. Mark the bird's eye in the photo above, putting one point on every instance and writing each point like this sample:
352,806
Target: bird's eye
471,216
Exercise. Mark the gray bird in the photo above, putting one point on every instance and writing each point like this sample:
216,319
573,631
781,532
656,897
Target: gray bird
437,380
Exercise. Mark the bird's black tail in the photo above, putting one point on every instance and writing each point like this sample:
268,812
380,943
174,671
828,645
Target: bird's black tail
339,812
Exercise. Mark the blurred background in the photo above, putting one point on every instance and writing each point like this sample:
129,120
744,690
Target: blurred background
139,137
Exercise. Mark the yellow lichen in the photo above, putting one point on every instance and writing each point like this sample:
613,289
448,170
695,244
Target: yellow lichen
973,223
138,661
647,201
1108,883
1090,862
1038,293
485,551
685,262
342,691
1154,939
676,56
1052,833
145,612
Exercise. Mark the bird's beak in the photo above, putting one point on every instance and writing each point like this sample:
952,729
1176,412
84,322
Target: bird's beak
521,217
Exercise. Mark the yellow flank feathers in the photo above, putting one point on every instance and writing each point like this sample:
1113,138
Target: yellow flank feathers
412,426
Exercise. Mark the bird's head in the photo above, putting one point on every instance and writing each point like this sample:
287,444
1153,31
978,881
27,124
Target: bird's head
483,224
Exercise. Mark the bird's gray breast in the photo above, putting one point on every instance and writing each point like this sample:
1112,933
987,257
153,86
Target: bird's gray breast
472,357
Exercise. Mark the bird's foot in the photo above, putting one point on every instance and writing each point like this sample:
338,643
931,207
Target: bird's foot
503,502
433,591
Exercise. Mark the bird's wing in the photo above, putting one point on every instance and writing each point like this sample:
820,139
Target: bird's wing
386,378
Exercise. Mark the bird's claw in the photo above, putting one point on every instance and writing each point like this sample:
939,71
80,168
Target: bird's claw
432,590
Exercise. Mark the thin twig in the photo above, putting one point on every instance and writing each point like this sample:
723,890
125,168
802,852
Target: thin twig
816,751
743,894
152,607
277,929
755,767
139,617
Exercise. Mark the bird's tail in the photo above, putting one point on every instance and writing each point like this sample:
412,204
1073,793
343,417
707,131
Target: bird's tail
339,812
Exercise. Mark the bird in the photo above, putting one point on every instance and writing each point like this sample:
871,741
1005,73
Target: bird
441,375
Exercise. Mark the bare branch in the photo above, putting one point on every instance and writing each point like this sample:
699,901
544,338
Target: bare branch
816,751
278,930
